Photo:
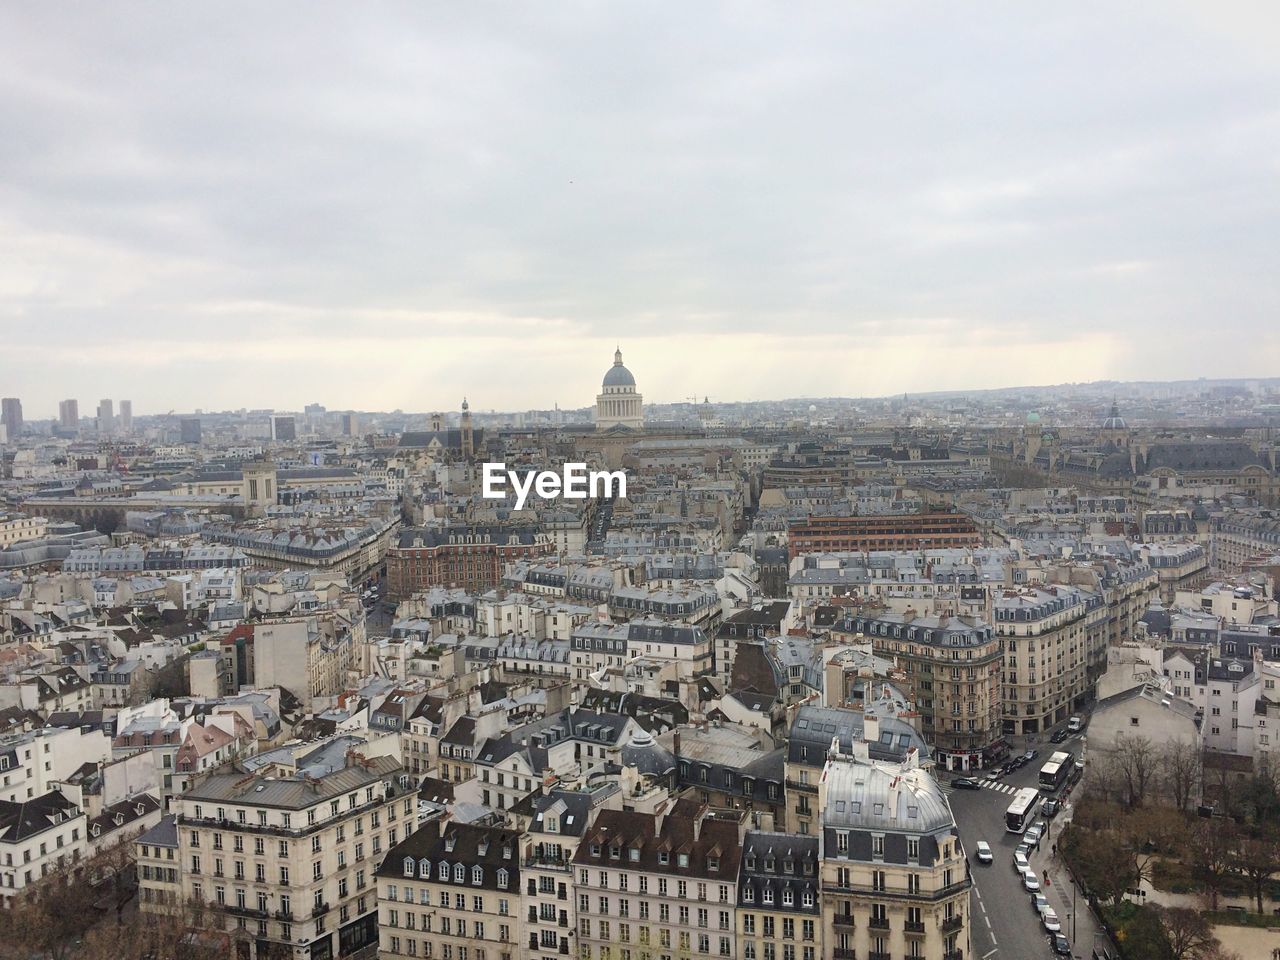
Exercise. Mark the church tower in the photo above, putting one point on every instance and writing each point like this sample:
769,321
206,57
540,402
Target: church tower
468,438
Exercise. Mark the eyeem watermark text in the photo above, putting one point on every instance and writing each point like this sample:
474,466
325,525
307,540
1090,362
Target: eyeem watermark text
575,482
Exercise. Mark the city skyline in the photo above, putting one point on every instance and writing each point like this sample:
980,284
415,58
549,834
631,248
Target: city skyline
434,198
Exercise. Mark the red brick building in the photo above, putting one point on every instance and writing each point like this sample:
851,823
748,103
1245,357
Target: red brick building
472,558
911,531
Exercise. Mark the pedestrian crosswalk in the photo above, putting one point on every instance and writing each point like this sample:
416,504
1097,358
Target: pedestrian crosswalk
999,787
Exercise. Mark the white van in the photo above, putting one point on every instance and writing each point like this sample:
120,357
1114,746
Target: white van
1075,725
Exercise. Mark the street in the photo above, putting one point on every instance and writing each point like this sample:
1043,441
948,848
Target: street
1005,926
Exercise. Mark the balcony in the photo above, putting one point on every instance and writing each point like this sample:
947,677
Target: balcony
246,911
952,923
877,955
285,915
843,920
954,955
913,927
844,953
320,909
878,923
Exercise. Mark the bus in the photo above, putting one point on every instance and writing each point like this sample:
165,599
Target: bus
1057,770
1021,810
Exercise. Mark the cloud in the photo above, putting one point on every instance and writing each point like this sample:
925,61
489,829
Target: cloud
398,204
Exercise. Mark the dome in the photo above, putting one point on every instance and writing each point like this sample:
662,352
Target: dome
1033,417
647,755
1114,421
618,375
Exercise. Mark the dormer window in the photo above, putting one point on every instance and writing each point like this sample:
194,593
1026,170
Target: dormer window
442,872
664,857
748,895
713,864
595,850
615,852
768,896
682,860
449,843
459,873
506,851
477,875
408,867
502,879
634,854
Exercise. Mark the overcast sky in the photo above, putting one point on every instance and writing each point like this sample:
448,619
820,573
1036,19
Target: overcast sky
383,205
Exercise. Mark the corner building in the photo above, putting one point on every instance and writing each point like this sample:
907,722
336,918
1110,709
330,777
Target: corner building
894,878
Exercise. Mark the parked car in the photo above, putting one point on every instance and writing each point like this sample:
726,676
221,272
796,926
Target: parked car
1075,725
1020,863
1050,808
1049,918
1059,735
1031,839
1024,850
966,783
1061,946
996,773
1030,755
1039,903
1030,881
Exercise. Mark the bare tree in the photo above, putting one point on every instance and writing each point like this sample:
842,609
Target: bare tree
1255,859
1136,761
1213,855
1147,832
1189,934
1182,770
48,919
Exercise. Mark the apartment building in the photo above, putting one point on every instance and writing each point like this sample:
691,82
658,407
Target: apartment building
310,656
451,891
655,884
1045,637
779,898
288,857
37,837
952,670
15,528
1179,565
809,743
894,877
915,531
156,862
559,820
469,557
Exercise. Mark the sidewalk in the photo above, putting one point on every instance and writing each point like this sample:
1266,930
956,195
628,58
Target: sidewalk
1078,922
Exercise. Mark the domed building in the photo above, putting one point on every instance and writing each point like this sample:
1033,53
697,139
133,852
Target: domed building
1115,431
618,404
